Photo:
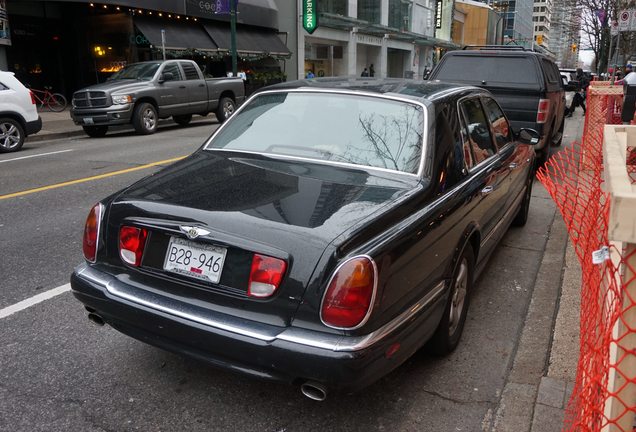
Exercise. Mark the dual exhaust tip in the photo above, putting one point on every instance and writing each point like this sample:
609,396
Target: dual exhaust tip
312,390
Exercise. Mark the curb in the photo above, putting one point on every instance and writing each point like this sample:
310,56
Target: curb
525,386
52,136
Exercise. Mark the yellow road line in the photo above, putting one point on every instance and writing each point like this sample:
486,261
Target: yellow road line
87,179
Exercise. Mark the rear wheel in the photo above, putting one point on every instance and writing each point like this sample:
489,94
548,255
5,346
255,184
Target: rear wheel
95,131
226,109
56,102
145,118
449,330
11,135
182,120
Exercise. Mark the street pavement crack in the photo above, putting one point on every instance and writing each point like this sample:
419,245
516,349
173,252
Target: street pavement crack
458,401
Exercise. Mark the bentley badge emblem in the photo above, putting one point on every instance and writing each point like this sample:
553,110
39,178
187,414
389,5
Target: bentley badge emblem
193,232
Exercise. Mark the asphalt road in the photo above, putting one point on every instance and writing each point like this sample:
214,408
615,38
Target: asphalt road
59,372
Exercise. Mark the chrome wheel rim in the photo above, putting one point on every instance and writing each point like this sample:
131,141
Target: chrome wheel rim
149,119
228,109
9,135
458,297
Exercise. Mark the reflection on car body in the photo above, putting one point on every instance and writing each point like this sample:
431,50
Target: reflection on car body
320,237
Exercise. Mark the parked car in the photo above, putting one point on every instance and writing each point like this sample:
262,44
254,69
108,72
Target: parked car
526,84
321,236
143,93
569,90
19,116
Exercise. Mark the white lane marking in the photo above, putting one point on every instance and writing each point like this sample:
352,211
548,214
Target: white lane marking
24,304
36,155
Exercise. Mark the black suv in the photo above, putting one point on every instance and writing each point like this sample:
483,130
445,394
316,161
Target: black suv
526,84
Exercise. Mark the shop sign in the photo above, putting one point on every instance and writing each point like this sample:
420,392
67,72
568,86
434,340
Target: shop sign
310,15
208,7
438,14
369,40
5,33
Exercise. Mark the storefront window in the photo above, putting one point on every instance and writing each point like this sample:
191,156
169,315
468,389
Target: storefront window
338,7
369,10
399,14
112,43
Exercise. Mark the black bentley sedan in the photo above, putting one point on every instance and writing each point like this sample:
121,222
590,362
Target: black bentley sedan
321,236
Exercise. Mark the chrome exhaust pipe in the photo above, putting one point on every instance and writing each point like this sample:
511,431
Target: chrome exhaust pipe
314,391
96,319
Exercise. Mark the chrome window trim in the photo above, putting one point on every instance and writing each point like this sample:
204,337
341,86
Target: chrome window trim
387,96
373,294
311,338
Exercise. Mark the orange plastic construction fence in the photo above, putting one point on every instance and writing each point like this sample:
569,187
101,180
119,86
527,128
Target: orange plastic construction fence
601,400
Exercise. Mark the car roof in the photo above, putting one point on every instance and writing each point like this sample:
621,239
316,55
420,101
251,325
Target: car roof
417,90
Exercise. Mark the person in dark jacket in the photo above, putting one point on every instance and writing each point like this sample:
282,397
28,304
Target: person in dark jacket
581,88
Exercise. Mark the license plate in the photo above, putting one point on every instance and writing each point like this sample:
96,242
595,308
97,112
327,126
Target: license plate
88,120
196,260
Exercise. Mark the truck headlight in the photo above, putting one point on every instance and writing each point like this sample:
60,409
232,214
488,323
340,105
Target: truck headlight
122,99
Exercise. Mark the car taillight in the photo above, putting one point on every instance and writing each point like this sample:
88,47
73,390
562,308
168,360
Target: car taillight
543,111
32,97
91,232
265,276
132,241
349,298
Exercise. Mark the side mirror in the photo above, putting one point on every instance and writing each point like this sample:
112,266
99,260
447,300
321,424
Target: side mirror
528,136
166,76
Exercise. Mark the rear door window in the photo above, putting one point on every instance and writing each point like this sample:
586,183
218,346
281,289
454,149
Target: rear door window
500,126
491,69
190,71
476,131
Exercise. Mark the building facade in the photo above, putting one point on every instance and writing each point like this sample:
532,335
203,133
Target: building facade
517,19
565,32
541,18
70,44
387,38
481,25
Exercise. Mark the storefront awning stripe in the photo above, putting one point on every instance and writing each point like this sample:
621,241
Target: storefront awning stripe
248,40
179,35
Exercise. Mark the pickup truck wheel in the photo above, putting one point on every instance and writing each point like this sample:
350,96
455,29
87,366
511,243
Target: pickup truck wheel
11,135
522,215
95,131
449,330
226,109
145,118
182,120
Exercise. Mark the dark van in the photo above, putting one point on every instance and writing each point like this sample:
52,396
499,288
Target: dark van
526,84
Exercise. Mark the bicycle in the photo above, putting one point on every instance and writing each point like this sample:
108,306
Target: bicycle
56,102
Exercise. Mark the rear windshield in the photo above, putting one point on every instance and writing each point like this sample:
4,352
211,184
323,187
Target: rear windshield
360,130
492,69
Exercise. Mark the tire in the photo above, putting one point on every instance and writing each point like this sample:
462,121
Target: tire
449,331
522,215
11,135
145,118
56,102
182,120
226,108
95,131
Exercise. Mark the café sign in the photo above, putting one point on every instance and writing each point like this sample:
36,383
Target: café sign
310,15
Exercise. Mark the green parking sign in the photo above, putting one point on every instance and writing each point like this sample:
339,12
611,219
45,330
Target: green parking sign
310,15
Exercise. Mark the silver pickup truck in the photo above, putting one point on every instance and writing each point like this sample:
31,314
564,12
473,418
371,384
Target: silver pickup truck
143,93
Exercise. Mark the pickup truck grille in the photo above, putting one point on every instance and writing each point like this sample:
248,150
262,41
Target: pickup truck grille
90,99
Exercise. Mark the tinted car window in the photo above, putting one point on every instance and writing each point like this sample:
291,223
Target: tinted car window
499,123
551,71
477,131
517,70
138,71
369,131
190,71
448,147
173,68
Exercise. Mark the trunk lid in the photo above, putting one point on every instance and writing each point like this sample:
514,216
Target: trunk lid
249,204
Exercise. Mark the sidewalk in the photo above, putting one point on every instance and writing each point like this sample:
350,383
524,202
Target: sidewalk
59,125
542,377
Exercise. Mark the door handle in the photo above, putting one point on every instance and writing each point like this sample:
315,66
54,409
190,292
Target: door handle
487,190
182,87
201,85
513,165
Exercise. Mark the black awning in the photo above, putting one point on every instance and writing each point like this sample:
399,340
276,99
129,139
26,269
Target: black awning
248,40
180,35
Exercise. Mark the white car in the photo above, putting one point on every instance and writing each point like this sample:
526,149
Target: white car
18,114
569,95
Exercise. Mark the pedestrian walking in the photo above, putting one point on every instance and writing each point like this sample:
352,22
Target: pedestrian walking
371,71
365,73
629,90
579,96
